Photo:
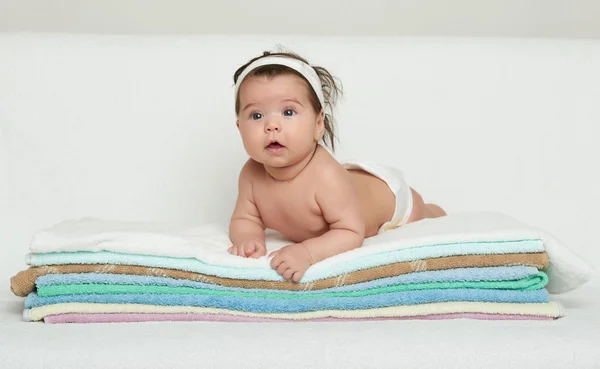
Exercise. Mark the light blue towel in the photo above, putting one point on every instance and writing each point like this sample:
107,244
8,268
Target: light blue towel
261,305
312,274
449,275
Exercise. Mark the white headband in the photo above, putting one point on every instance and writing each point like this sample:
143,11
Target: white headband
304,69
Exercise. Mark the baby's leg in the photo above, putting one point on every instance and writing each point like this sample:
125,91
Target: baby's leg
421,210
434,210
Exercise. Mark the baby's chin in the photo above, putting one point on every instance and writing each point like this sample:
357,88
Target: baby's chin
277,161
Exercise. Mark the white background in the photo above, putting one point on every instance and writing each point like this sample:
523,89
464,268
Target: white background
142,127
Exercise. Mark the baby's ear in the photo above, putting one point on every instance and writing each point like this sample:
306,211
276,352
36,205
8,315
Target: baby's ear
320,126
237,124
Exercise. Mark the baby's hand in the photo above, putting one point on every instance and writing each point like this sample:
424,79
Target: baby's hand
249,249
291,261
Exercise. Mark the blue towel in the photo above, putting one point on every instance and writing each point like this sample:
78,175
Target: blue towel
312,274
449,275
261,305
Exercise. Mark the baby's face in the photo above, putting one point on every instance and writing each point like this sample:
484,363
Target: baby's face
277,122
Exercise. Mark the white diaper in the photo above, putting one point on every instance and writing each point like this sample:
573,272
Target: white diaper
395,180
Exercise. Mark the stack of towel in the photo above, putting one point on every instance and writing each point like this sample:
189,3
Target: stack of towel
478,265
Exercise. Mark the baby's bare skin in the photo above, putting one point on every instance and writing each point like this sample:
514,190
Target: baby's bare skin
312,202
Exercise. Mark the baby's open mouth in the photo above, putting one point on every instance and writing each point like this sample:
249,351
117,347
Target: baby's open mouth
275,145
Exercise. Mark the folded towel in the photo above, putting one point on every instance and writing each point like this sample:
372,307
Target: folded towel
506,274
265,272
274,305
81,318
458,234
550,309
23,283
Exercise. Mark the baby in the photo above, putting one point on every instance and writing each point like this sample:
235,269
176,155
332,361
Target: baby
292,184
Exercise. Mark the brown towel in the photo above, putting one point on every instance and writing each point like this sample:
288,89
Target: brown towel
24,282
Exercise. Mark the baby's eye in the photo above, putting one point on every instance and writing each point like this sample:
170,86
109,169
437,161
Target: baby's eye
256,116
289,112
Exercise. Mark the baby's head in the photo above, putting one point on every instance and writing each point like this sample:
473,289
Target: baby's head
280,96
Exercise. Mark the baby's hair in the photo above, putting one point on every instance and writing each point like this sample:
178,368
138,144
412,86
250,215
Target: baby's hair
331,89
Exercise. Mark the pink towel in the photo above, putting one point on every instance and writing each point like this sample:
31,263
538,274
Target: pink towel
183,317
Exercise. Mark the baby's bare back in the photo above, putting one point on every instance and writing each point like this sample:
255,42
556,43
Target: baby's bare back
292,208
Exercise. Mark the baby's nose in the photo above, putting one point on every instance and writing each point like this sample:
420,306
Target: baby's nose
272,125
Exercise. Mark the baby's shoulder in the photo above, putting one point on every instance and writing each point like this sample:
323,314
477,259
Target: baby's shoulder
251,171
328,169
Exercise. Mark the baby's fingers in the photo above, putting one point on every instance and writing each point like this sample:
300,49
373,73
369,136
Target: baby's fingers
237,250
258,253
276,261
297,276
249,249
281,268
287,275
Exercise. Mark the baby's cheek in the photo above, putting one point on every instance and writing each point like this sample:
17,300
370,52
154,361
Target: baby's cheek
250,141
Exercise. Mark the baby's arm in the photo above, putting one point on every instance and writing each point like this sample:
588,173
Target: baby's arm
338,200
339,204
246,229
